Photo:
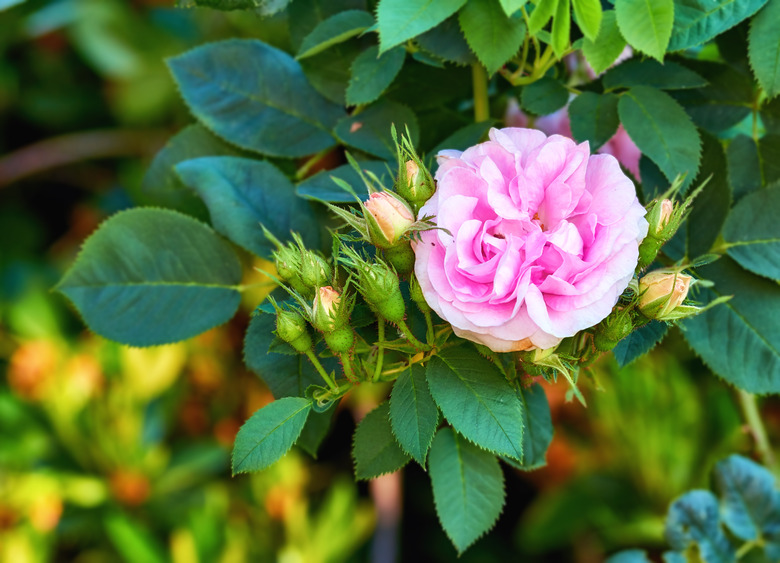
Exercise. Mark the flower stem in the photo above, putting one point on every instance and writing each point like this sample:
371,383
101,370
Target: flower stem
429,333
380,349
321,370
480,84
749,404
410,337
346,362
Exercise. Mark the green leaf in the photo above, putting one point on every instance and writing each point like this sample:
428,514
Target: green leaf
468,488
711,206
594,118
739,340
544,96
649,72
537,427
511,6
269,434
750,502
375,449
661,130
744,166
369,130
267,107
263,7
698,21
542,13
463,138
329,72
446,42
372,74
413,414
764,47
693,520
492,35
399,20
321,186
646,24
334,30
477,400
132,540
304,15
153,276
770,116
561,28
769,154
589,16
752,232
243,195
315,430
606,48
639,342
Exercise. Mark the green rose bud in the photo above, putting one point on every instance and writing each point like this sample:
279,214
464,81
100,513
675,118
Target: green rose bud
415,183
388,218
662,293
315,271
293,329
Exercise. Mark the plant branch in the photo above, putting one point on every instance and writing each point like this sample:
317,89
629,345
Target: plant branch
749,404
321,370
480,84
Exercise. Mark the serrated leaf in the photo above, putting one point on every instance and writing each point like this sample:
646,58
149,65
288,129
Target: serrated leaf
561,28
446,42
267,107
649,72
589,17
492,35
315,430
544,96
537,427
304,15
662,130
739,340
413,414
369,130
711,206
639,342
153,276
321,186
750,503
468,488
328,72
646,25
511,6
764,47
542,13
693,520
752,232
477,400
269,434
334,30
744,166
606,48
371,74
399,20
594,118
698,21
243,195
375,449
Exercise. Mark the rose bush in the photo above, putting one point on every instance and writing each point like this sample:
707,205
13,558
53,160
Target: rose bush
537,239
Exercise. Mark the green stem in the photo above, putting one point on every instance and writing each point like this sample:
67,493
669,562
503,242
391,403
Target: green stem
380,349
429,333
749,404
321,370
346,362
410,337
480,84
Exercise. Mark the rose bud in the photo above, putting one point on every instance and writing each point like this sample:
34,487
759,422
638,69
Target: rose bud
326,309
315,271
415,183
661,292
293,329
659,216
388,218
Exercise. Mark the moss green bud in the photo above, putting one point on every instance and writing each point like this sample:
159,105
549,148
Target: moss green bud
415,183
388,218
340,340
381,289
315,271
613,329
401,257
293,329
662,293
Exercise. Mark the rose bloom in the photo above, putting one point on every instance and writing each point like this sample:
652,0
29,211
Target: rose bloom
541,239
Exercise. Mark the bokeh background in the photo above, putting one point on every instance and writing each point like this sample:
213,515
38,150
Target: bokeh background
109,453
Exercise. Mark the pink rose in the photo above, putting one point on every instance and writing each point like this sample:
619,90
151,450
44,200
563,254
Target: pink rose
543,238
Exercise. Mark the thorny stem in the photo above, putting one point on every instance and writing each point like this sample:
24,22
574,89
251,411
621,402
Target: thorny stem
318,366
346,362
410,337
429,333
480,84
380,349
749,405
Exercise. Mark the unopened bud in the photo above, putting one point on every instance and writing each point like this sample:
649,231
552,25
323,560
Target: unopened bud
326,309
401,257
315,271
659,216
381,289
388,218
293,329
612,330
662,292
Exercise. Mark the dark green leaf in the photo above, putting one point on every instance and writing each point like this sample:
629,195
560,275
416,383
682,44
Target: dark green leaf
589,17
329,72
639,342
752,232
537,426
372,74
769,154
561,28
661,130
494,37
711,205
322,187
594,118
647,26
693,520
764,47
477,400
648,72
602,52
544,96
399,20
315,430
744,166
263,7
153,276
447,42
468,488
375,449
334,30
464,137
267,107
269,434
369,130
413,414
243,194
304,15
770,116
542,13
739,340
698,21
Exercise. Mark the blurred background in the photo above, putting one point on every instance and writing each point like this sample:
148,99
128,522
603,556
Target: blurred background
109,453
